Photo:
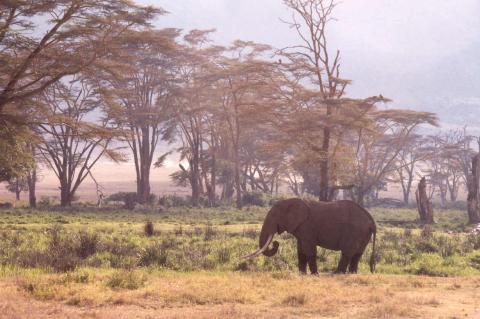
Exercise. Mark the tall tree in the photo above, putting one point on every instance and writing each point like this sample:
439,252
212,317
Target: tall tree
138,83
17,185
378,147
243,82
193,113
77,33
32,176
409,157
72,143
310,19
15,158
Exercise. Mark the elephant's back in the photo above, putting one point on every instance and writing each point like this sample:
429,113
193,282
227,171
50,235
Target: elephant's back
343,211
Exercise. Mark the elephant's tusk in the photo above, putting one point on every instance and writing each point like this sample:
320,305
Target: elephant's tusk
259,251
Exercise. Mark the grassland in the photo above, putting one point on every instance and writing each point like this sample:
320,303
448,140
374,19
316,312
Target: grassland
89,263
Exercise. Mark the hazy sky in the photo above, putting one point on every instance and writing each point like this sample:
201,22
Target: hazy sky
423,54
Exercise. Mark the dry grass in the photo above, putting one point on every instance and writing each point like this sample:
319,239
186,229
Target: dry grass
220,295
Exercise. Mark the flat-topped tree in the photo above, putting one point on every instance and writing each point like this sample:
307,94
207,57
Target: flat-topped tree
77,33
138,84
75,134
378,146
243,80
193,113
310,19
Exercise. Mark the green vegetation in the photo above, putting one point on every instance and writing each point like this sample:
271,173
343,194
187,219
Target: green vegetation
185,240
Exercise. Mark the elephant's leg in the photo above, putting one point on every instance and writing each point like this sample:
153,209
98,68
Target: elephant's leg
312,264
302,259
353,267
342,265
309,249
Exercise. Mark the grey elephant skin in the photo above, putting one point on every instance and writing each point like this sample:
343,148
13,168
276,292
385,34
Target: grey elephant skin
342,226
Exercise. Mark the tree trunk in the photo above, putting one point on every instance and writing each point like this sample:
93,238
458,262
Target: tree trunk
213,181
32,183
194,181
143,181
324,167
473,192
65,197
143,185
424,205
443,194
238,186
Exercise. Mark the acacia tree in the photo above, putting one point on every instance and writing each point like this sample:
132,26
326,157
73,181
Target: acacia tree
458,154
412,153
15,158
378,146
32,177
72,143
449,163
17,185
78,33
242,80
193,112
138,83
322,69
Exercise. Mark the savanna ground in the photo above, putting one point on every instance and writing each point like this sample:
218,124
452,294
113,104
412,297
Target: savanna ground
90,263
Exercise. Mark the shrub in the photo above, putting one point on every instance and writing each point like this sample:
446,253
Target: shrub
473,239
87,244
156,254
130,280
41,290
223,255
250,233
254,199
149,229
210,232
427,232
61,252
45,201
428,265
173,201
129,199
178,231
296,300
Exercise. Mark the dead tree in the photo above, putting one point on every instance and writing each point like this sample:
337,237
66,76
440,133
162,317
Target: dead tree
473,191
424,204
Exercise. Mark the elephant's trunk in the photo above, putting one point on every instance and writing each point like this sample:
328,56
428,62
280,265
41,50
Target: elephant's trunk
269,228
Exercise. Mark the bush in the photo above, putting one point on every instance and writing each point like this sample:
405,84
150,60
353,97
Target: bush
87,244
129,199
154,255
223,255
149,229
428,265
210,232
173,201
45,201
126,280
61,252
254,199
474,240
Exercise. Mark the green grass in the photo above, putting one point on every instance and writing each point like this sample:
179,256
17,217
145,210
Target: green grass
186,240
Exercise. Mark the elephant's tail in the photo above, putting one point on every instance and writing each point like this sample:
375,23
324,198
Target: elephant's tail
372,257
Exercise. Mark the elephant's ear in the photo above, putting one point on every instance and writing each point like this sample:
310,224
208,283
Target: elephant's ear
297,212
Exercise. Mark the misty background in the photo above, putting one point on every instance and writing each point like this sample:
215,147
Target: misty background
421,54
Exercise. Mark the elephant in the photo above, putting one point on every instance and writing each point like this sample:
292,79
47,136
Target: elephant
342,226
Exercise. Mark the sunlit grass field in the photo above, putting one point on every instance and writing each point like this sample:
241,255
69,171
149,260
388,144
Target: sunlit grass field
188,264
